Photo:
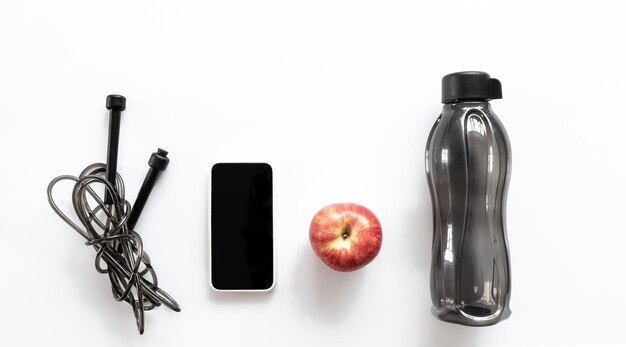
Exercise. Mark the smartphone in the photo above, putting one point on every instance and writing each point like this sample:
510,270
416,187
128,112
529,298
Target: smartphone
241,227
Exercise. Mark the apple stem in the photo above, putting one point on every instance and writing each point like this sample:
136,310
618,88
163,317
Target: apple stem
346,232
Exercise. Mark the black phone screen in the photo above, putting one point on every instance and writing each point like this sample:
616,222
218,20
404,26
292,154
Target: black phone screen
242,247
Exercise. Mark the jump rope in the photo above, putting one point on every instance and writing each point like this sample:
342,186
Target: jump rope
108,224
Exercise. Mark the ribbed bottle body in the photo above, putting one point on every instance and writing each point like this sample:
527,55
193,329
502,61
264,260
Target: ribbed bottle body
468,164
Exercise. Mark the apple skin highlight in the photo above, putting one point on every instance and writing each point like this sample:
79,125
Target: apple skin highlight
345,236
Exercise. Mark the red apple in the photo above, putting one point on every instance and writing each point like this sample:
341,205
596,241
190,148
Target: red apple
345,236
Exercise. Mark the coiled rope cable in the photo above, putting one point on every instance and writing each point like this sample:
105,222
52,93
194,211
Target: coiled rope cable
119,250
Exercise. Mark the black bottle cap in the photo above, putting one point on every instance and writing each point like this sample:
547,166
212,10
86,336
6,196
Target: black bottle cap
468,85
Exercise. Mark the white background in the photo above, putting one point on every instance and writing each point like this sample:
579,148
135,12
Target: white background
339,96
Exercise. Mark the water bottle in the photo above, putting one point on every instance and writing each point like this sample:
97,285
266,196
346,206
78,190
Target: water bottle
468,165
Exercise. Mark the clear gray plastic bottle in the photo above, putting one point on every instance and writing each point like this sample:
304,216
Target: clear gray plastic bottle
468,165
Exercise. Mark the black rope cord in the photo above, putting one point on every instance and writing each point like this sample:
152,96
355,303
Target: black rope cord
119,250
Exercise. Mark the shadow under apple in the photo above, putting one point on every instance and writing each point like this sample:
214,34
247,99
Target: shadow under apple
326,294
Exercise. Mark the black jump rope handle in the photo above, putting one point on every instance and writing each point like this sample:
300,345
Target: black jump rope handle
158,161
115,104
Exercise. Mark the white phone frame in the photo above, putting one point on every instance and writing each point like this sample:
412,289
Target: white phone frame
274,279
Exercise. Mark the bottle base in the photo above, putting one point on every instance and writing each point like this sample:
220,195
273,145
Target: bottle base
474,316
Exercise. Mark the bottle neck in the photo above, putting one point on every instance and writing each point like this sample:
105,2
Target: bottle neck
461,101
478,103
